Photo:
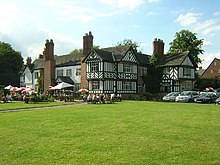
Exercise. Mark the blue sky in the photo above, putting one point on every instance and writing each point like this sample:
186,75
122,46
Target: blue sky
26,24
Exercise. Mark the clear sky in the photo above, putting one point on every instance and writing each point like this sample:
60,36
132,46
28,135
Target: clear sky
26,24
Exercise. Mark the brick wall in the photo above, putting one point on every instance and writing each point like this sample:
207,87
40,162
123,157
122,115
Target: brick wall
213,70
49,65
84,82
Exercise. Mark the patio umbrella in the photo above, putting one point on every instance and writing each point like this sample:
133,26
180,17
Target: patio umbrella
61,86
83,90
9,87
14,89
27,89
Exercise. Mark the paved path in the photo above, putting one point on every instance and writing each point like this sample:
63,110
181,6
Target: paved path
41,108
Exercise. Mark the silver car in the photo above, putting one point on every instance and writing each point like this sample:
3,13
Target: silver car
187,96
170,96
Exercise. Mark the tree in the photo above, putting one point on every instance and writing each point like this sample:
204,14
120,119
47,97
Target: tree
154,75
187,41
11,63
129,42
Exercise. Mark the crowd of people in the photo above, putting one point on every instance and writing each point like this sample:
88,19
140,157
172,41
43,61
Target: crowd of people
100,98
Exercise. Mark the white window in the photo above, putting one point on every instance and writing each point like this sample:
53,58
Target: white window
95,85
59,72
127,68
126,85
69,72
211,71
94,67
218,70
78,71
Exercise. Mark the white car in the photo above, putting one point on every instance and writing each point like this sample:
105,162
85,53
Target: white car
187,96
171,96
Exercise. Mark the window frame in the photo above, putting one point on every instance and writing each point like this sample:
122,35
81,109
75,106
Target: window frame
94,67
69,71
126,85
127,68
95,85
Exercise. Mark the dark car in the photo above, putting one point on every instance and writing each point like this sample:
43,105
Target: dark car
206,97
171,96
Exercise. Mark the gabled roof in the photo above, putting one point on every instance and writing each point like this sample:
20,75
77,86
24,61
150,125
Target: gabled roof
176,59
113,54
65,60
110,54
30,67
207,69
143,59
104,55
69,63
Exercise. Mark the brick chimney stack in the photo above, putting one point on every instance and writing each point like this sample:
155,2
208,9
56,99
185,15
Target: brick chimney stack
49,50
29,60
49,65
87,43
158,47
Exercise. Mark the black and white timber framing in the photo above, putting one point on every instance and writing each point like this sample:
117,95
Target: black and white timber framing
179,72
110,71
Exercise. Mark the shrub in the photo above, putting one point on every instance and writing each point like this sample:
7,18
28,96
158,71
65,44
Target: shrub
43,98
148,95
51,99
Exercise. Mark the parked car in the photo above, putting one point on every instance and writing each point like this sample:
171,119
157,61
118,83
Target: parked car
217,101
170,96
206,97
187,96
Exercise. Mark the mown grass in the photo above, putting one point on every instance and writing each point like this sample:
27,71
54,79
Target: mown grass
22,105
123,133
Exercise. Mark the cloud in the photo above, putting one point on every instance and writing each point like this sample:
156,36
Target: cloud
204,25
216,14
153,1
211,29
124,5
188,18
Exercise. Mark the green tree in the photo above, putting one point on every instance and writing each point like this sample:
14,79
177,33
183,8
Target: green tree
11,63
187,41
129,42
154,75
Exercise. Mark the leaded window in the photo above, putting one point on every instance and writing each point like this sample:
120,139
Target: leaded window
69,72
127,68
94,67
126,85
78,71
95,85
59,72
186,71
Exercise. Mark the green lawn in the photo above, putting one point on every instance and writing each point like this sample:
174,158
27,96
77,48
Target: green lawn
22,105
123,133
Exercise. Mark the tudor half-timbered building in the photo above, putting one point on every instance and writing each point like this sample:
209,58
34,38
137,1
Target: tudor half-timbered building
112,70
178,72
178,69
